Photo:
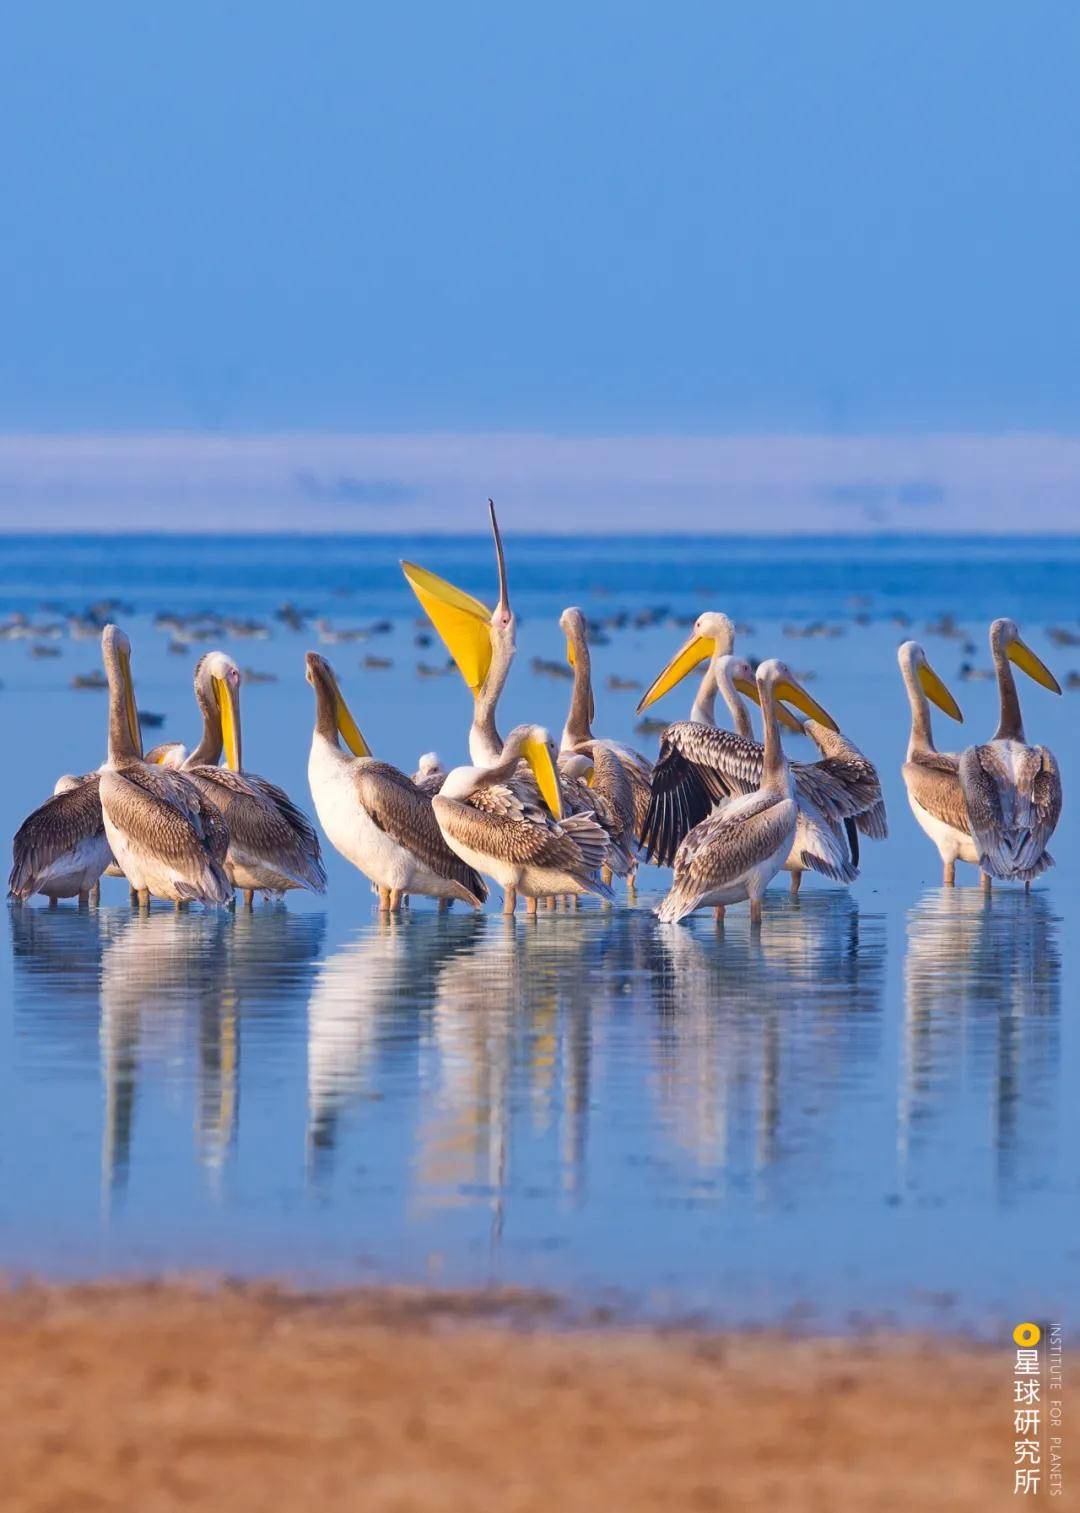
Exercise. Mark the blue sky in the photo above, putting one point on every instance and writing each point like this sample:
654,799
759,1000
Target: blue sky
591,219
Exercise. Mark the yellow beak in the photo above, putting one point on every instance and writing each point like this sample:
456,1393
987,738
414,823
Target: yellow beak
462,621
228,706
350,731
783,713
696,650
938,694
570,652
795,694
543,770
134,727
1022,654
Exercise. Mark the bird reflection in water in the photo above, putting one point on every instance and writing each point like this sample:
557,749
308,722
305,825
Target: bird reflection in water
982,985
174,990
759,1043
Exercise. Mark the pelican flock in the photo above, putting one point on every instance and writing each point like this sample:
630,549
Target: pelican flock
547,822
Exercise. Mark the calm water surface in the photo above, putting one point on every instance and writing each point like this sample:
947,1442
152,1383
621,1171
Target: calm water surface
868,1111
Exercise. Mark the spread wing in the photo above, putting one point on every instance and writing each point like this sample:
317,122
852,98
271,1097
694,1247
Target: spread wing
403,811
822,846
66,827
933,780
1013,798
265,827
855,773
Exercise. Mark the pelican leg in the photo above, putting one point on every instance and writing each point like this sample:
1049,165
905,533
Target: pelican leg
950,875
143,896
396,895
384,900
180,905
53,901
94,896
1027,885
84,898
796,884
530,905
631,883
249,898
133,894
509,901
755,912
719,913
444,905
551,902
987,882
575,901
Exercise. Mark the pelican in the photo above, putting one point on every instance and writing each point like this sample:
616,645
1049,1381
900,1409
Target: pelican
429,773
931,777
482,644
61,849
620,774
491,822
272,844
699,765
167,839
373,814
733,854
1012,790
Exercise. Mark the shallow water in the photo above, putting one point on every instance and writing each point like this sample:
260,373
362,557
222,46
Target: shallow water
869,1110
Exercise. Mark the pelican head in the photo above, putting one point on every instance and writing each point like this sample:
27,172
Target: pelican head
533,744
66,784
775,680
332,713
575,628
168,754
1005,640
469,630
917,671
740,675
124,727
217,689
713,635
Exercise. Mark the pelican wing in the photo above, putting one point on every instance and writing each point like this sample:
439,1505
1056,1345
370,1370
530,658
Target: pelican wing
855,773
265,827
729,844
403,811
531,838
932,779
822,845
166,815
1014,801
66,828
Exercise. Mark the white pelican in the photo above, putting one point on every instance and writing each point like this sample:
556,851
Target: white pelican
1012,790
373,814
733,854
493,824
931,777
699,765
272,844
620,774
61,849
482,644
168,840
713,636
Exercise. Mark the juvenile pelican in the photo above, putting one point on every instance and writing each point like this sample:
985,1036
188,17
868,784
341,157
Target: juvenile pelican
492,823
620,774
931,777
168,840
272,844
733,854
61,849
429,773
1012,790
373,814
699,765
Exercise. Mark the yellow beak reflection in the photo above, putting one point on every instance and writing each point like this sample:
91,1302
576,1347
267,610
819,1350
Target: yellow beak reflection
462,621
696,650
938,694
543,770
1022,654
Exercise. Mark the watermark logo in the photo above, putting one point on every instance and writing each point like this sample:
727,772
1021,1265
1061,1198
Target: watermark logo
1038,1412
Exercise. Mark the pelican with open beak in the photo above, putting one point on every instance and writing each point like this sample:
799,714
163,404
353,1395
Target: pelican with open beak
733,854
532,849
272,844
167,838
1012,790
481,642
375,815
932,777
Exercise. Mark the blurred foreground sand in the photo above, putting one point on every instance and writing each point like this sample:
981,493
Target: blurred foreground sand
148,1397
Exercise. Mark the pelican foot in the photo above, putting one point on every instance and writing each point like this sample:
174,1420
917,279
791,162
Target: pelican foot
796,884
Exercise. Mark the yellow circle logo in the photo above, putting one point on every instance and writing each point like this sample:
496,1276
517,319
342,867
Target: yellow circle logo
1027,1334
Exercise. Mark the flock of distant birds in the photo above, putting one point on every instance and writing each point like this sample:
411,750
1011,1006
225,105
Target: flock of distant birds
725,811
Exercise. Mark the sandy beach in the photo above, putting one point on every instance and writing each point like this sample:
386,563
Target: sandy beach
154,1397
